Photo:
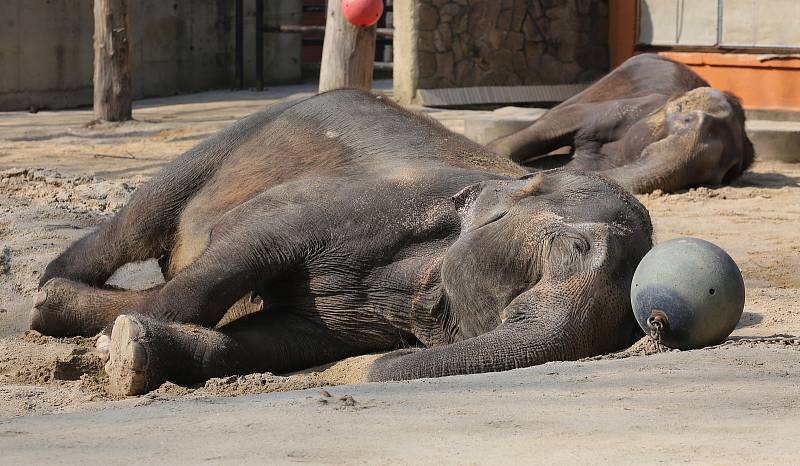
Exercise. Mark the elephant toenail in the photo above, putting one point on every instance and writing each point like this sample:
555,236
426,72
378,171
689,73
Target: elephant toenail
34,317
41,297
103,344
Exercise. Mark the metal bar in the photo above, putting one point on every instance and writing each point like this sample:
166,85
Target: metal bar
260,45
320,41
297,29
378,65
314,8
239,52
719,22
321,8
750,49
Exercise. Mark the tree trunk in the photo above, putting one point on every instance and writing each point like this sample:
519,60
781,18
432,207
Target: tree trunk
348,52
112,56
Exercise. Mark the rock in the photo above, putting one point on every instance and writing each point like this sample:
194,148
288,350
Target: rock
428,17
5,260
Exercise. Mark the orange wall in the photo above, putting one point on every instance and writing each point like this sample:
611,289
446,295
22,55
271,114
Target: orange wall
761,81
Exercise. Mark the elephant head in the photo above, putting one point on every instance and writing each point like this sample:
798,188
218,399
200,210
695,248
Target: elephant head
541,271
699,140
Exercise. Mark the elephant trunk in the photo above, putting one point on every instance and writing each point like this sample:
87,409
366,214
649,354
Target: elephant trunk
667,164
505,348
550,322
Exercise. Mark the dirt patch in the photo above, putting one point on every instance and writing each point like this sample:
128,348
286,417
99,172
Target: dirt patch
348,371
41,374
41,212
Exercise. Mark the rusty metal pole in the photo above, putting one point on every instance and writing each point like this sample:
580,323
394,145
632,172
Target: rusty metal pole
239,47
260,45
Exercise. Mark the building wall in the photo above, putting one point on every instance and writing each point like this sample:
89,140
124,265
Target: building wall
765,78
177,46
464,43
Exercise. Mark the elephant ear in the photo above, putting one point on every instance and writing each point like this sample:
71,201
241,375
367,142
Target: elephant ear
485,202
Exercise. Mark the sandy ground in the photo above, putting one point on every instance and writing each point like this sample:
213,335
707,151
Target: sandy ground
736,405
61,174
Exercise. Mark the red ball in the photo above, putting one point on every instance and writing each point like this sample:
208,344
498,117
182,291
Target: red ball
362,12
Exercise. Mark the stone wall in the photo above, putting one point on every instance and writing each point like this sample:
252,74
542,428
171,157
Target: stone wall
177,46
463,43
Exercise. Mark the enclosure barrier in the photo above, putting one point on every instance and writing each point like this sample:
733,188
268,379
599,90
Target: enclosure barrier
384,35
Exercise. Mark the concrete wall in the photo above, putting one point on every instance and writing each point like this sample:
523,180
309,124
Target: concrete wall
742,23
464,43
177,46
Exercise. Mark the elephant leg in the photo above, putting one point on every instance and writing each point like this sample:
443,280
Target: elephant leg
146,352
241,256
128,237
67,308
200,294
555,129
145,228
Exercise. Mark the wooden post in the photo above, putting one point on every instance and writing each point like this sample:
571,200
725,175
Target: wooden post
348,52
112,57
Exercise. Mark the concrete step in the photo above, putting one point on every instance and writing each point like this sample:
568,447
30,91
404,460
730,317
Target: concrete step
775,140
483,126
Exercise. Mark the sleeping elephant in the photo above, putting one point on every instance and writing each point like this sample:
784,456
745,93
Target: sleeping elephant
343,225
650,124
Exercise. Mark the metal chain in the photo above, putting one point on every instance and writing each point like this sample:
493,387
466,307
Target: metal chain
656,327
654,335
786,340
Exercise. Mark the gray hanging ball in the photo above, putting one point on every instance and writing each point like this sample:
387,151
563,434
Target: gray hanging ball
691,289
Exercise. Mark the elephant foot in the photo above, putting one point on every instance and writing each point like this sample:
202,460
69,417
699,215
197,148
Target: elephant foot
60,310
132,365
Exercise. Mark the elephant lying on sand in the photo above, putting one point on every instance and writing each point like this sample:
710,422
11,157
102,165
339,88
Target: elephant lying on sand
351,226
650,124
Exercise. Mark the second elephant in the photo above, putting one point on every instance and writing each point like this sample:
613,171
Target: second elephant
650,124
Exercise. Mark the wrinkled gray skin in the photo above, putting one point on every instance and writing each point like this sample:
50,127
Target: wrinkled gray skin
650,124
351,226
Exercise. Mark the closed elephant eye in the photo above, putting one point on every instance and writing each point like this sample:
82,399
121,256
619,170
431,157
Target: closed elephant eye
490,217
567,251
497,216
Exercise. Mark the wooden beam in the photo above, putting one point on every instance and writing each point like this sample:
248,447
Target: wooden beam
348,52
112,58
498,95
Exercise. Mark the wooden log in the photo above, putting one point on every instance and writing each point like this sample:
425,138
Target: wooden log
112,57
348,52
